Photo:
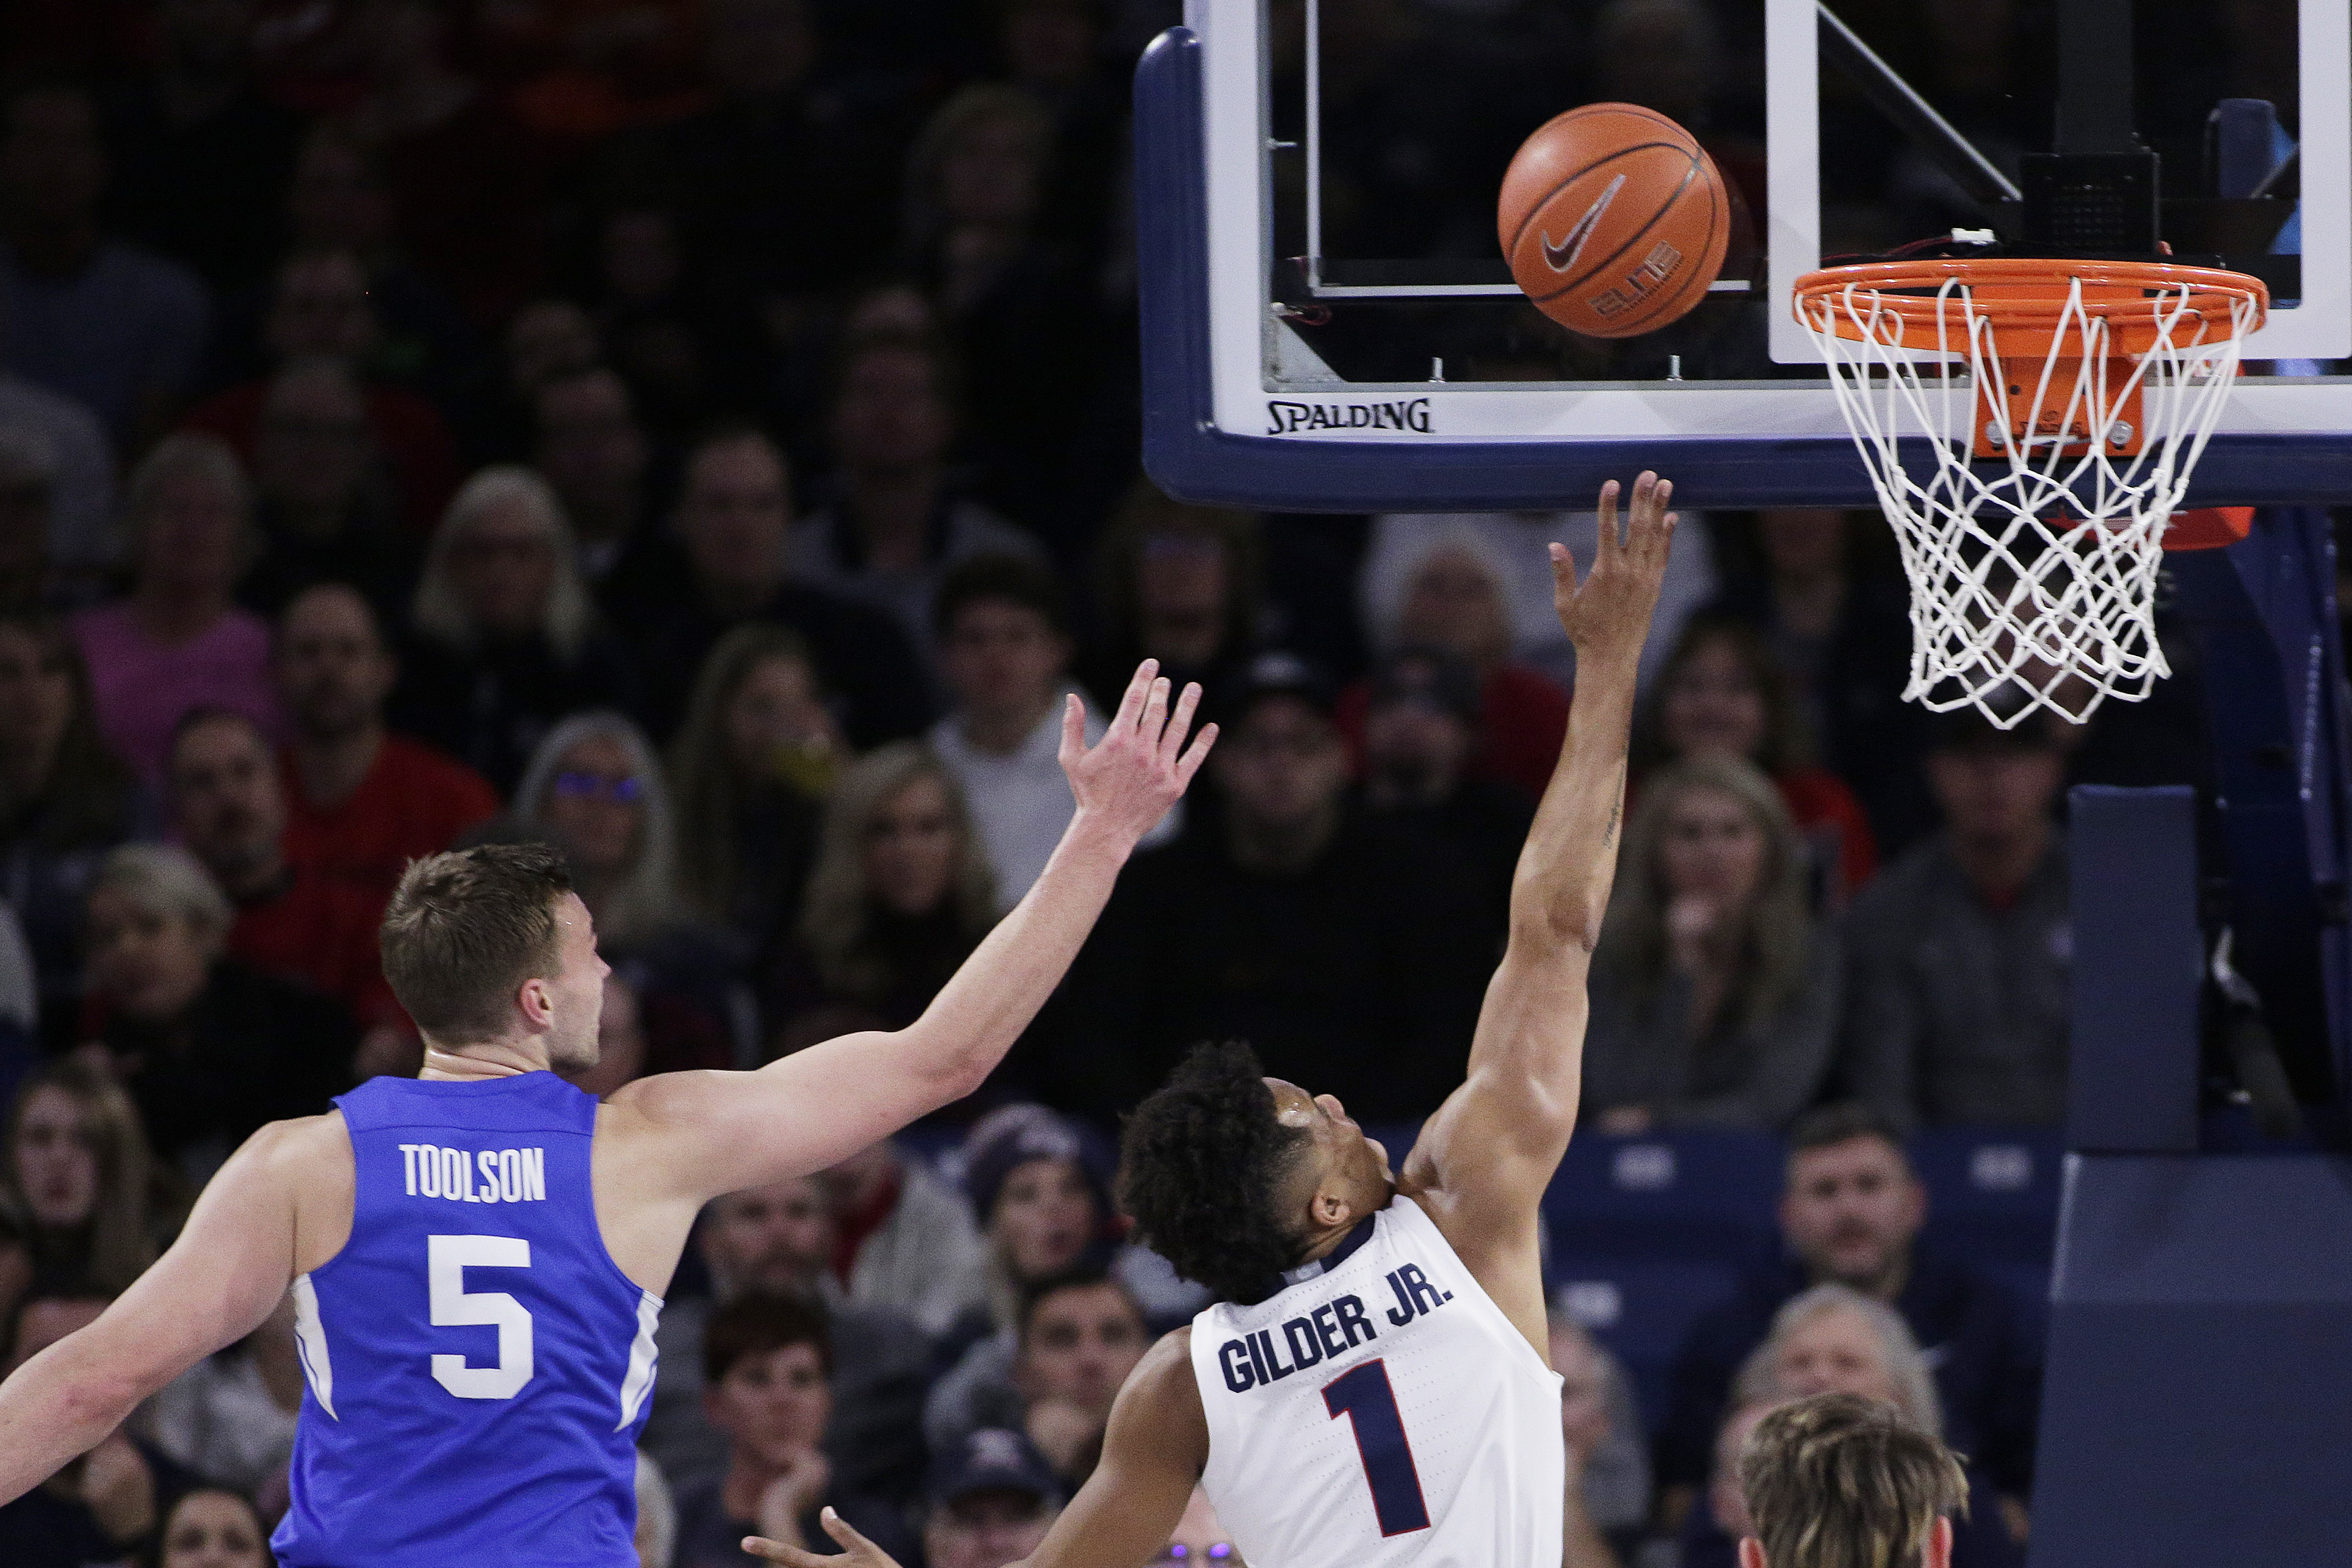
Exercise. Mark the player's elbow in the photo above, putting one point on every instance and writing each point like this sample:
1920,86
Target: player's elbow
1541,924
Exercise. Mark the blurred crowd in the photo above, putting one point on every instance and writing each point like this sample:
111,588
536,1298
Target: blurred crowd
702,435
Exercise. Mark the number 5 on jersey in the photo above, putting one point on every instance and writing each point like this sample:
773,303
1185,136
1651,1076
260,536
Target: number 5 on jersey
447,1258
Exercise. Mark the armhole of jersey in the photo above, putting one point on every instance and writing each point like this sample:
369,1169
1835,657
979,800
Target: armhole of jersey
596,1220
352,1229
1535,1361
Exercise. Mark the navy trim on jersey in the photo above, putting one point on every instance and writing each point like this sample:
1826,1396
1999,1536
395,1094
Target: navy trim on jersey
1348,1246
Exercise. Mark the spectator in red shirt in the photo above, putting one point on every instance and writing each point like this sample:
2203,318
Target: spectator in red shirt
1722,693
361,802
1455,602
228,806
321,309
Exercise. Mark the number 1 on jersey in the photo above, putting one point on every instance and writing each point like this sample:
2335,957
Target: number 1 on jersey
1363,1395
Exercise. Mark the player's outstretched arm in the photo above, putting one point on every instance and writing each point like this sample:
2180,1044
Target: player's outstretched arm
719,1132
1153,1453
226,1273
1491,1148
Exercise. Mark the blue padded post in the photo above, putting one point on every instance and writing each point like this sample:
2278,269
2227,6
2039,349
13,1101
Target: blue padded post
2132,1082
2197,1409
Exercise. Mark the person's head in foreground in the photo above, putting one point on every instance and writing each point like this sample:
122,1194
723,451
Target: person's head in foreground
990,1500
491,947
1234,1176
210,1527
1841,1481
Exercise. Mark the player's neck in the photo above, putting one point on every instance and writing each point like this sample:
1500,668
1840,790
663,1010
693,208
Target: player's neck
1324,1245
485,1059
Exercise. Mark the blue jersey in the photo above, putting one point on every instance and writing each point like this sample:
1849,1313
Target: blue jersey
478,1365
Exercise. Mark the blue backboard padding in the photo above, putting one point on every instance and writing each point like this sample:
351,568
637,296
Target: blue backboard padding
1191,459
2197,1405
2132,1073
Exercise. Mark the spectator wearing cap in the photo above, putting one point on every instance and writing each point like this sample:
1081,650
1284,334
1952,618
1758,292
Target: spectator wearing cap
1420,729
115,327
1004,653
778,1241
361,802
767,1385
894,527
293,920
1044,1207
1957,980
989,1502
1850,1216
178,642
1344,950
1078,1335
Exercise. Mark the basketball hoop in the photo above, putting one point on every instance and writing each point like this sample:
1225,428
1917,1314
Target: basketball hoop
2087,390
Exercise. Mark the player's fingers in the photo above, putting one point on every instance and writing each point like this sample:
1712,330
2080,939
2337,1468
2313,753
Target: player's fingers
1645,505
1189,763
1180,723
841,1530
1131,705
1563,569
1608,518
769,1551
1155,713
1074,729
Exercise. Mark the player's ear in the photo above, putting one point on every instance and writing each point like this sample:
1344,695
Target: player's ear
1939,1544
1751,1552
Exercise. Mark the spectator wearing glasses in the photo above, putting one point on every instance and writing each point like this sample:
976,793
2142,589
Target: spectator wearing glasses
595,783
178,642
361,802
596,789
989,1502
506,638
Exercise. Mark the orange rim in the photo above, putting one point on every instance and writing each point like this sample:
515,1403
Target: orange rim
2032,296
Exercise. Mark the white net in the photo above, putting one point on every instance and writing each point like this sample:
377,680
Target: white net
2033,572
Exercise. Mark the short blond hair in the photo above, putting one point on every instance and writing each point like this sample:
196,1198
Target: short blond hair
1841,1481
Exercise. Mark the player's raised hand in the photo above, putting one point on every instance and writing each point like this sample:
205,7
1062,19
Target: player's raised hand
1129,778
860,1552
1609,612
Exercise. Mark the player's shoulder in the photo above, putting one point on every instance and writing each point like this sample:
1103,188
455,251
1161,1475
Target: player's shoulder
300,1139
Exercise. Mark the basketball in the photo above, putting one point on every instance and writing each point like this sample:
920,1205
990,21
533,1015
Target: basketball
1614,220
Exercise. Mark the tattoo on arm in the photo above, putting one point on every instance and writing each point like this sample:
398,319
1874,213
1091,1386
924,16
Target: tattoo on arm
1609,833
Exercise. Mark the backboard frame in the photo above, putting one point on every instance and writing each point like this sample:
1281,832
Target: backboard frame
1221,427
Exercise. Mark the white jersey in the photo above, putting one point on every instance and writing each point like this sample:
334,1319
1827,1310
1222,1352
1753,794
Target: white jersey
1380,1411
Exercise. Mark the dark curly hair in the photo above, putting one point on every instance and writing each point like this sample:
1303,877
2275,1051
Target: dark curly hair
1198,1161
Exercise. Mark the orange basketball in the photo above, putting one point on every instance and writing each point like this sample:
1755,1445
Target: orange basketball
1614,220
